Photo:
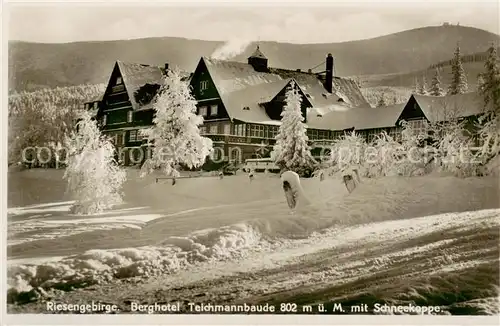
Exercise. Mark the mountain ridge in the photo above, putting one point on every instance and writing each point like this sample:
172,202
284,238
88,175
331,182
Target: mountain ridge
39,65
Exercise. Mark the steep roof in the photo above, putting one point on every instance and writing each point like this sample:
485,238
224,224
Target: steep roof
245,104
360,118
322,101
136,75
438,108
239,85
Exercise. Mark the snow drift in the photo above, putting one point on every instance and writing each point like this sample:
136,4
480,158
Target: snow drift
264,227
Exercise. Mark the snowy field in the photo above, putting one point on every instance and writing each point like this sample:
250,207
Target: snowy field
430,240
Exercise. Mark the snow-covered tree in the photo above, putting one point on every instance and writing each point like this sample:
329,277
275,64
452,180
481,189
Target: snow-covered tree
422,90
453,145
39,118
175,134
94,179
436,89
416,87
458,83
291,151
490,88
480,83
490,91
347,154
406,156
381,101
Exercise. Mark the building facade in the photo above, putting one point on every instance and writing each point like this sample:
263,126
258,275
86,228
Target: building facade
241,104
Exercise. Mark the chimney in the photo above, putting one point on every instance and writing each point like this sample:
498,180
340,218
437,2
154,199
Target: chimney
298,70
309,71
329,73
166,67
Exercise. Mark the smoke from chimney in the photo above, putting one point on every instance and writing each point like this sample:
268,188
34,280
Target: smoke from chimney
230,49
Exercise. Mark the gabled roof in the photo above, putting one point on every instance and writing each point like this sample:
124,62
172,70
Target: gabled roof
245,104
439,108
239,85
322,101
359,118
136,75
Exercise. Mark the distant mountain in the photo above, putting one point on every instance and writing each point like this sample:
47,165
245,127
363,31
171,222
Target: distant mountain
473,65
36,65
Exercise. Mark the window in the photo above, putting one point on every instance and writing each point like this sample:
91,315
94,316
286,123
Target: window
140,135
257,131
203,85
313,134
273,131
132,136
104,119
119,80
119,139
213,129
129,116
239,130
418,125
227,129
203,111
203,130
322,134
213,110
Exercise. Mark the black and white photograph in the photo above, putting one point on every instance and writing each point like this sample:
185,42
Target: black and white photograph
306,159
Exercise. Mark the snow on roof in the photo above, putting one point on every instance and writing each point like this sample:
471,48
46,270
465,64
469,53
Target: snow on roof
240,86
359,118
258,54
438,108
136,75
344,88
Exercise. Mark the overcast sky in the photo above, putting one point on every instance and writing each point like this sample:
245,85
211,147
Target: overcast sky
296,23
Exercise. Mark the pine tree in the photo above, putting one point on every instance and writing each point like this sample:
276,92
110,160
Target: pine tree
417,86
490,88
291,151
175,134
459,79
490,91
436,89
423,86
94,178
381,101
480,83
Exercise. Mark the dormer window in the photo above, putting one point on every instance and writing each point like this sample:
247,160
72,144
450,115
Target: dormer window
119,81
340,100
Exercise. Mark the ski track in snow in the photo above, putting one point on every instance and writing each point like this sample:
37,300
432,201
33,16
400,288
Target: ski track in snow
332,255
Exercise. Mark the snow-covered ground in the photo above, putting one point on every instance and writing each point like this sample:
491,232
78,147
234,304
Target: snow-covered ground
233,240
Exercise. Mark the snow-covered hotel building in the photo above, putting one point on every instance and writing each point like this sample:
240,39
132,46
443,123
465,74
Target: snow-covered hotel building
242,102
